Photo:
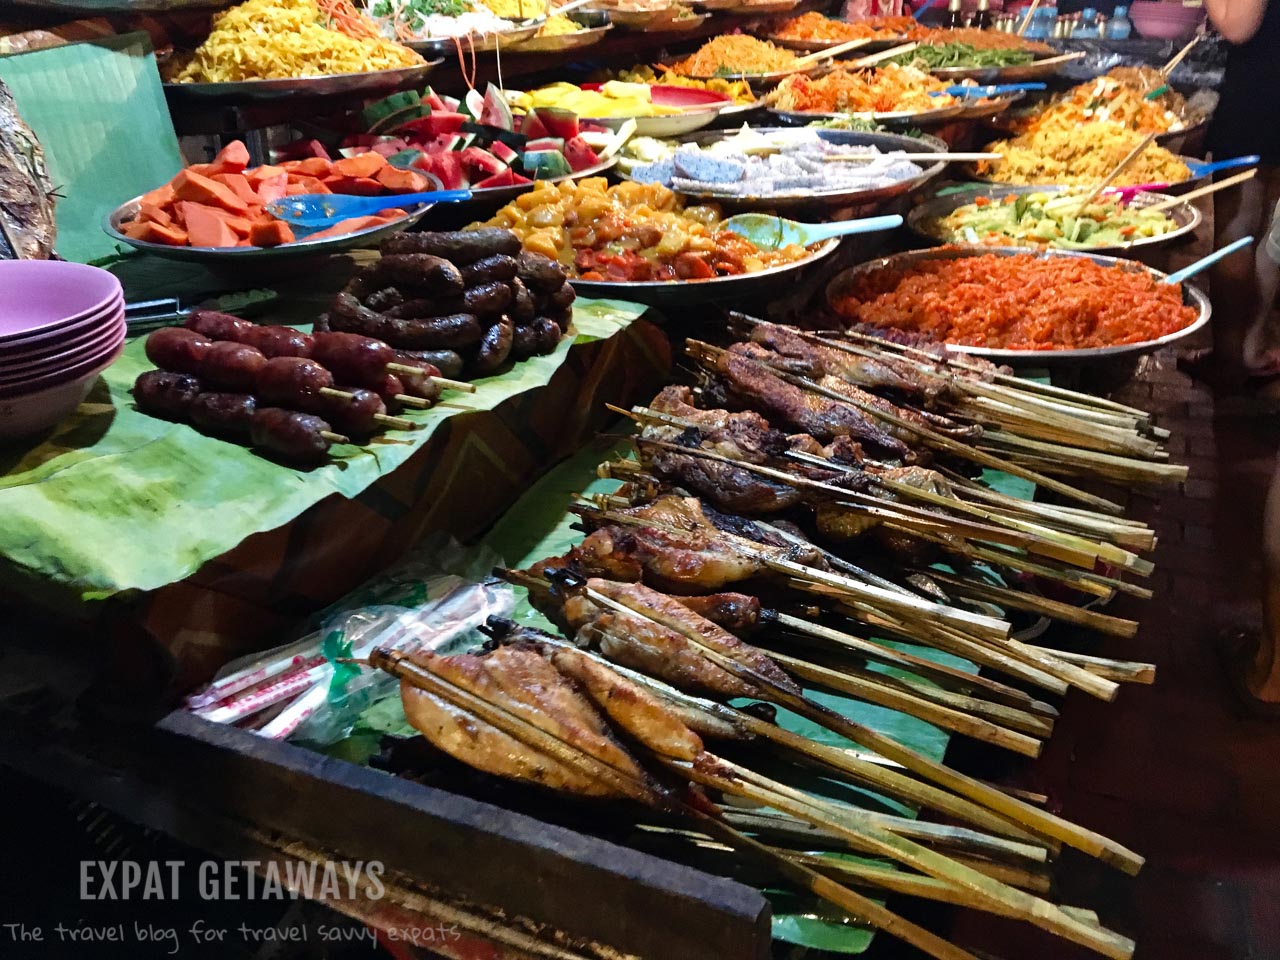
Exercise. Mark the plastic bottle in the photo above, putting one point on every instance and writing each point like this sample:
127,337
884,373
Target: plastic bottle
1088,27
982,20
955,15
1119,27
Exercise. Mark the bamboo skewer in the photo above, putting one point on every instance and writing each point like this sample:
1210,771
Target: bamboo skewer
539,739
1181,55
831,52
1026,20
882,695
889,54
781,828
982,889
1119,168
1121,671
1039,820
944,676
1202,191
1054,609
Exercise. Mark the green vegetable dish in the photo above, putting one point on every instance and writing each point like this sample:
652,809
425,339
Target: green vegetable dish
1049,220
936,56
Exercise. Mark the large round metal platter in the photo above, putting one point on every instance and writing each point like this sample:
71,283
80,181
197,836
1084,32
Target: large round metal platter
677,24
884,142
216,256
480,43
635,19
1172,140
558,43
698,109
925,219
710,5
1042,66
740,108
874,45
968,171
762,8
670,293
339,84
989,106
1191,296
803,117
777,76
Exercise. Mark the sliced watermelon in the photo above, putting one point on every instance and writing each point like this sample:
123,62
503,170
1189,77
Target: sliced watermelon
496,112
559,122
389,111
451,104
532,127
480,162
441,144
593,126
545,164
427,128
434,100
507,178
503,152
579,154
473,103
448,168
389,146
347,152
405,158
545,143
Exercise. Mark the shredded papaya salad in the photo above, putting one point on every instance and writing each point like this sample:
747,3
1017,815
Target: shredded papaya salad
1019,302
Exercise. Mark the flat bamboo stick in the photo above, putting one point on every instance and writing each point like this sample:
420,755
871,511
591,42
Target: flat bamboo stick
1039,820
941,674
1121,671
1054,609
882,695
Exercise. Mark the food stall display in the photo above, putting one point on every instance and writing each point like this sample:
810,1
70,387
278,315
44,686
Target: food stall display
848,513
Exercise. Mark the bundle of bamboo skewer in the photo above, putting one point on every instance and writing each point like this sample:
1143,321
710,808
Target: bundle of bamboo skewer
829,610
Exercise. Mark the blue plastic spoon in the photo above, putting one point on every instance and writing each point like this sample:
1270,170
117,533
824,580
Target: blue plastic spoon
993,90
1199,169
1204,262
770,233
320,210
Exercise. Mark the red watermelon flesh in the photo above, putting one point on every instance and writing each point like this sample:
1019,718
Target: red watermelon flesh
580,155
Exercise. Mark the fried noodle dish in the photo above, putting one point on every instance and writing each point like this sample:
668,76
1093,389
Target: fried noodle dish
814,26
1019,302
632,232
1106,99
888,89
734,54
285,39
1069,153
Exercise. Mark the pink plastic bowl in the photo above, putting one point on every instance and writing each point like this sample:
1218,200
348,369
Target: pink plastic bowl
33,413
1160,20
44,295
51,337
104,341
44,379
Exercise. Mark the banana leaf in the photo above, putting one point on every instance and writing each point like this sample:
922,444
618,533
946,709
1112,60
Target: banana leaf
115,500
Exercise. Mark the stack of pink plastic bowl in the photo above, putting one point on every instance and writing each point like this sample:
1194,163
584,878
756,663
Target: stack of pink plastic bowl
1165,19
61,324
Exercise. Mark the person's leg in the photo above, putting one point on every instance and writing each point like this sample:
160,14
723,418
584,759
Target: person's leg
1262,677
1262,339
1233,287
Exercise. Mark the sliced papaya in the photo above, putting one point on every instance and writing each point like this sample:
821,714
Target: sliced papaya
361,166
270,233
201,189
207,229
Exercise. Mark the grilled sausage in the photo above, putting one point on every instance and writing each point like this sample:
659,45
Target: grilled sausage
523,309
292,436
351,316
384,299
448,362
540,273
216,325
293,382
460,246
275,341
499,268
436,333
164,394
353,358
495,346
524,342
228,414
232,366
549,334
178,349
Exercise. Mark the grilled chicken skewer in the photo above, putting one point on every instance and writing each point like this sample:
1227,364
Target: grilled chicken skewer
539,706
555,736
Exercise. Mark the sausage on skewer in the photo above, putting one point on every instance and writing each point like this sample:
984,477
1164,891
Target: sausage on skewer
179,350
301,437
164,394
